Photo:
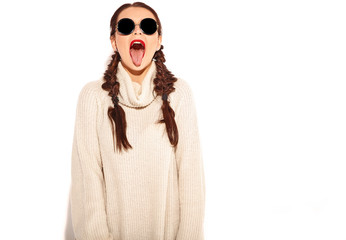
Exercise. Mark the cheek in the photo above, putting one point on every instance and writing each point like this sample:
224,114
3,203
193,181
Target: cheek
121,44
152,45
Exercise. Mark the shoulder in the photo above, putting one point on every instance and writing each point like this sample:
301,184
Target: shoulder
182,92
93,89
182,97
182,87
93,86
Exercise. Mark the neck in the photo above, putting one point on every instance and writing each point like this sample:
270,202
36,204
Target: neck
137,76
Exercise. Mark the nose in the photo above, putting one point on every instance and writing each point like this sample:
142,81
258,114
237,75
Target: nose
137,29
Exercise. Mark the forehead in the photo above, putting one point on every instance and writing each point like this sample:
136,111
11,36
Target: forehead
136,14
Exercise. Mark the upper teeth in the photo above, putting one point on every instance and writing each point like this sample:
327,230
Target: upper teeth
137,42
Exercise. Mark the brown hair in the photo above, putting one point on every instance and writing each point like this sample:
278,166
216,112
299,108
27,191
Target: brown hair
164,84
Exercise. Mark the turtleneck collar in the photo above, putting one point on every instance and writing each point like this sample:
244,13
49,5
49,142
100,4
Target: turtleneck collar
127,92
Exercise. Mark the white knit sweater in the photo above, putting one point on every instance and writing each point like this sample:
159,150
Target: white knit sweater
150,192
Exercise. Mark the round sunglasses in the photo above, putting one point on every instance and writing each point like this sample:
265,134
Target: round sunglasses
126,26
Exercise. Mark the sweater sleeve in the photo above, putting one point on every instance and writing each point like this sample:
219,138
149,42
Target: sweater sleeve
190,170
87,183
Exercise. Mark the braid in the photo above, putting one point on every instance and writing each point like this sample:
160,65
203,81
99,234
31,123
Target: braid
116,113
164,85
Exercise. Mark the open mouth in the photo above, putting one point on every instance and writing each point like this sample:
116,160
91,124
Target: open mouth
137,51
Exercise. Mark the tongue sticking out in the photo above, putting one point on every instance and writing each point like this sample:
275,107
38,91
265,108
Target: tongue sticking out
137,54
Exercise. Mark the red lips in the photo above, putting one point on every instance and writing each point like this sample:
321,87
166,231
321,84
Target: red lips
137,40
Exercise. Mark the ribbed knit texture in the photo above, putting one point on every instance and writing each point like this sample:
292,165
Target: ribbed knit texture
150,192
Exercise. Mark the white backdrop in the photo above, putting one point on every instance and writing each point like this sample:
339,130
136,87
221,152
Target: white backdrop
269,83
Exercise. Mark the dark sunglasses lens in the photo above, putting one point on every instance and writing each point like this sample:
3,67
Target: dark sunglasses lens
125,26
148,25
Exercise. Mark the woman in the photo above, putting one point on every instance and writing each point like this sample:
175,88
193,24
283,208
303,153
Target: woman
137,170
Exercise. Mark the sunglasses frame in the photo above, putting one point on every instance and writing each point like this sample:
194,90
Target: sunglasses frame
157,26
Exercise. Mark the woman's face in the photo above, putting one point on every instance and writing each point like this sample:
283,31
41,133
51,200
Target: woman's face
122,43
